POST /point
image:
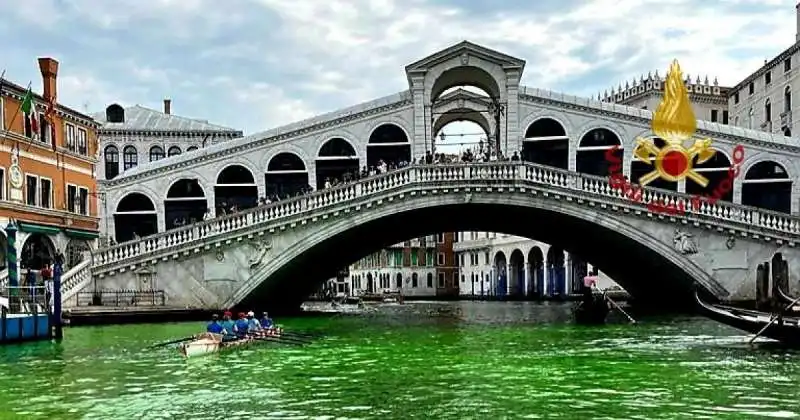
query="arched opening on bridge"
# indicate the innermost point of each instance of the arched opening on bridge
(286, 176)
(641, 168)
(767, 185)
(235, 190)
(37, 251)
(135, 217)
(77, 251)
(460, 139)
(516, 273)
(716, 171)
(556, 272)
(578, 270)
(500, 274)
(185, 203)
(470, 78)
(546, 143)
(388, 143)
(337, 161)
(591, 154)
(536, 272)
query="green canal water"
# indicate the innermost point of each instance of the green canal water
(468, 360)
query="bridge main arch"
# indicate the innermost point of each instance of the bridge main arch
(647, 266)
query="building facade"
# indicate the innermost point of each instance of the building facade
(47, 175)
(136, 135)
(506, 266)
(709, 99)
(420, 267)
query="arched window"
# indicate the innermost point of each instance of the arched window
(787, 99)
(767, 110)
(191, 148)
(156, 153)
(111, 157)
(130, 158)
(750, 114)
(174, 151)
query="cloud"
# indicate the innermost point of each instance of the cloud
(255, 64)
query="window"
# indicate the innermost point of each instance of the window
(441, 281)
(414, 280)
(414, 257)
(111, 157)
(174, 151)
(767, 77)
(461, 259)
(191, 148)
(486, 258)
(440, 259)
(430, 279)
(70, 137)
(45, 193)
(767, 110)
(714, 115)
(751, 88)
(44, 130)
(72, 197)
(27, 127)
(156, 153)
(83, 142)
(2, 114)
(750, 118)
(440, 238)
(736, 98)
(787, 64)
(725, 117)
(2, 175)
(787, 99)
(130, 158)
(31, 189)
(464, 278)
(429, 258)
(398, 258)
(399, 281)
(455, 279)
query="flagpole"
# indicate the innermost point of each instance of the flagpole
(14, 118)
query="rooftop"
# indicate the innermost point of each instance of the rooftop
(139, 118)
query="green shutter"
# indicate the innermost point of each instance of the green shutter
(414, 257)
(429, 258)
(81, 234)
(398, 258)
(37, 228)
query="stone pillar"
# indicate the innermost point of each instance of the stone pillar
(627, 159)
(527, 282)
(421, 119)
(511, 128)
(682, 186)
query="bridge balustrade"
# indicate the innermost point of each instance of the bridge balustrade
(120, 298)
(462, 175)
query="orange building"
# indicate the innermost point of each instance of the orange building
(47, 179)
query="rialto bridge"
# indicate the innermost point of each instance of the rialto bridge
(558, 193)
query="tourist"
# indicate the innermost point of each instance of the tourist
(241, 325)
(214, 326)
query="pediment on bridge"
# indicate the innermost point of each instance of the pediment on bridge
(465, 50)
(464, 95)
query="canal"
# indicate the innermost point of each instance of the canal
(461, 360)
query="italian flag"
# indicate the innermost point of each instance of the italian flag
(30, 111)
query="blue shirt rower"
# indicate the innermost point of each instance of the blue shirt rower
(253, 326)
(241, 325)
(228, 327)
(266, 322)
(214, 326)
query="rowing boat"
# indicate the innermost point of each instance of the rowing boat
(208, 343)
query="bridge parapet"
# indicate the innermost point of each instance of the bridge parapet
(561, 184)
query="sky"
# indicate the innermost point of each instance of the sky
(258, 64)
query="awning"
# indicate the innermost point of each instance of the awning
(37, 228)
(81, 234)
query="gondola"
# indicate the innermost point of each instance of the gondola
(786, 329)
(592, 314)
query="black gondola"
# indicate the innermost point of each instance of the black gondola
(785, 329)
(594, 313)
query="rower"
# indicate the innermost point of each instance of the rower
(266, 322)
(228, 327)
(253, 326)
(214, 326)
(241, 325)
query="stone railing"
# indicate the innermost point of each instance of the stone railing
(75, 279)
(459, 175)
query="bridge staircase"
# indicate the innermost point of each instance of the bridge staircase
(224, 231)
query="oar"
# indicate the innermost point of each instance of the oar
(772, 319)
(166, 343)
(630, 318)
(278, 339)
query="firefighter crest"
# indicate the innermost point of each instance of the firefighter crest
(675, 123)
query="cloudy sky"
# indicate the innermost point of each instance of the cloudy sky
(257, 64)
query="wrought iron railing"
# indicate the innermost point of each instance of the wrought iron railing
(122, 298)
(26, 300)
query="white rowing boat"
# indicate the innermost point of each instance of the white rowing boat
(208, 343)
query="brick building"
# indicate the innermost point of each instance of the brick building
(47, 177)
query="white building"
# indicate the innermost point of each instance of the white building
(137, 135)
(492, 264)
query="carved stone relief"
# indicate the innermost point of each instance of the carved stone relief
(684, 242)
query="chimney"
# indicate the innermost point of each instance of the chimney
(49, 69)
(167, 106)
(797, 14)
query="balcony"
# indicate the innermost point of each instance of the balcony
(766, 126)
(35, 214)
(786, 119)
